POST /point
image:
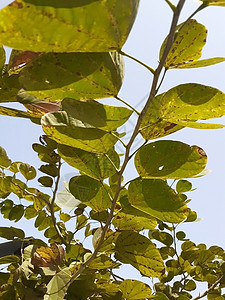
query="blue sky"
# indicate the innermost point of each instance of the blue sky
(150, 29)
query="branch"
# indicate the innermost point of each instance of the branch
(209, 289)
(152, 94)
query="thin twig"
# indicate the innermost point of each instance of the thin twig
(51, 207)
(173, 7)
(209, 289)
(124, 102)
(152, 94)
(138, 61)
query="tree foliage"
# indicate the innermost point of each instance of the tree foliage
(66, 54)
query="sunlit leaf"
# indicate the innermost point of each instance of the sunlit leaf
(47, 26)
(103, 262)
(97, 166)
(5, 162)
(65, 130)
(184, 103)
(124, 221)
(183, 186)
(91, 192)
(170, 159)
(130, 218)
(137, 250)
(156, 198)
(214, 2)
(134, 289)
(55, 76)
(58, 285)
(105, 117)
(12, 112)
(65, 200)
(27, 171)
(2, 57)
(190, 38)
(201, 63)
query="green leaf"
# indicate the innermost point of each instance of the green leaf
(201, 63)
(27, 171)
(12, 112)
(170, 159)
(55, 76)
(2, 57)
(106, 117)
(10, 233)
(197, 125)
(49, 169)
(103, 262)
(137, 250)
(180, 235)
(58, 285)
(162, 237)
(214, 2)
(5, 162)
(30, 212)
(190, 285)
(156, 198)
(65, 130)
(134, 289)
(81, 222)
(16, 213)
(10, 259)
(5, 186)
(6, 207)
(183, 186)
(64, 217)
(9, 86)
(131, 218)
(46, 181)
(190, 38)
(183, 104)
(75, 252)
(91, 192)
(63, 26)
(65, 200)
(124, 221)
(160, 296)
(97, 166)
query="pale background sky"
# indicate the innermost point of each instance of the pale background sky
(150, 29)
